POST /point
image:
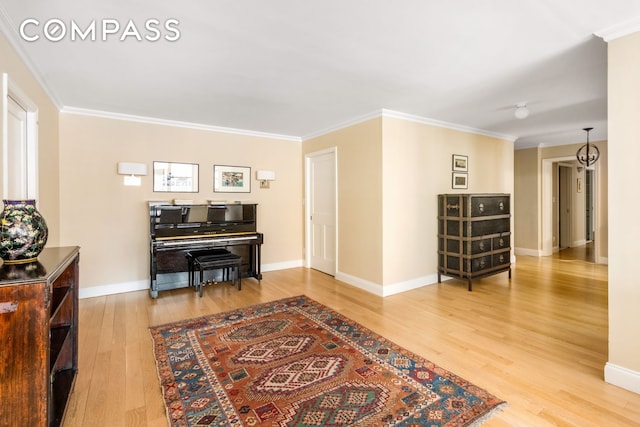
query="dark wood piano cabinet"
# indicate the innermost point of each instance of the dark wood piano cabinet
(175, 230)
(474, 235)
(39, 331)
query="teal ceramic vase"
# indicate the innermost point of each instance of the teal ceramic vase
(23, 232)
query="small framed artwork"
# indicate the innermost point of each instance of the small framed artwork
(231, 179)
(460, 163)
(459, 180)
(175, 177)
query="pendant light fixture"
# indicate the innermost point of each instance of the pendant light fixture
(588, 154)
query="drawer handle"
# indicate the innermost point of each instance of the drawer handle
(8, 307)
(481, 246)
(501, 258)
(501, 206)
(450, 206)
(481, 207)
(482, 262)
(501, 242)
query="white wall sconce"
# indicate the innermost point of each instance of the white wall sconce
(264, 177)
(132, 172)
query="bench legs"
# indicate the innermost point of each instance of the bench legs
(237, 277)
(216, 259)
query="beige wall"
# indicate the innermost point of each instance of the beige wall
(390, 172)
(48, 197)
(359, 154)
(527, 222)
(624, 233)
(109, 220)
(416, 168)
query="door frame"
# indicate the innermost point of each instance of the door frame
(565, 222)
(10, 89)
(589, 185)
(307, 203)
(546, 230)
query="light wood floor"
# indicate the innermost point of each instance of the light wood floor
(538, 341)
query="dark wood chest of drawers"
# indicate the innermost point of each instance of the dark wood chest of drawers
(474, 235)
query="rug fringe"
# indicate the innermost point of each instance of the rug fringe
(162, 390)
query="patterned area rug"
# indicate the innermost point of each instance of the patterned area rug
(296, 362)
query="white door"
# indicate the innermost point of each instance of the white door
(321, 211)
(16, 174)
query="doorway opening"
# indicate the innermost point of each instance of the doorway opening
(569, 210)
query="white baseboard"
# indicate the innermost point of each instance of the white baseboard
(117, 288)
(622, 377)
(140, 285)
(384, 291)
(527, 252)
(281, 265)
(408, 285)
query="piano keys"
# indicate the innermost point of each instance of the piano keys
(176, 230)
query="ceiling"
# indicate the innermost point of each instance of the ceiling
(298, 68)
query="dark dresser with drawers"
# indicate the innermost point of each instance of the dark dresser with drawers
(474, 235)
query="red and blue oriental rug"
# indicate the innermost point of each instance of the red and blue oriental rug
(296, 362)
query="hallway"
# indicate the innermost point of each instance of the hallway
(580, 253)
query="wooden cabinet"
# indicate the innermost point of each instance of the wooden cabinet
(474, 235)
(39, 333)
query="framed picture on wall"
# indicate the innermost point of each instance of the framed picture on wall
(231, 179)
(175, 177)
(460, 163)
(459, 180)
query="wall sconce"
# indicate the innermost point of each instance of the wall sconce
(133, 171)
(264, 177)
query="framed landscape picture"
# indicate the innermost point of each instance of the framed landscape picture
(231, 179)
(459, 180)
(175, 177)
(460, 163)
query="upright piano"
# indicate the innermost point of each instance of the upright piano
(178, 229)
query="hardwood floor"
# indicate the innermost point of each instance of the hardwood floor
(538, 341)
(584, 252)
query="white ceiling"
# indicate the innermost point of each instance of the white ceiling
(297, 68)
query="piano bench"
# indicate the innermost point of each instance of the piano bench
(224, 262)
(192, 255)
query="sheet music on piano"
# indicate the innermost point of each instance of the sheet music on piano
(175, 230)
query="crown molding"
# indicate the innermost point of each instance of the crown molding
(174, 123)
(411, 118)
(619, 30)
(8, 28)
(529, 144)
(343, 125)
(446, 125)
